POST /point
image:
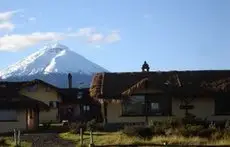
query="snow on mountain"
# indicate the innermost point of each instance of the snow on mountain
(52, 63)
(53, 58)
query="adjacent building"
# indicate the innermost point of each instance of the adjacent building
(77, 105)
(140, 97)
(18, 111)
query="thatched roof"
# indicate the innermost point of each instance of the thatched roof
(115, 85)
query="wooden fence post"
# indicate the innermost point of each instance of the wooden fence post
(91, 139)
(15, 137)
(19, 138)
(81, 137)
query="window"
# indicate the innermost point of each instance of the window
(86, 107)
(155, 106)
(8, 115)
(79, 95)
(134, 106)
(222, 106)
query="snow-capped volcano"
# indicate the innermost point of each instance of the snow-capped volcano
(51, 59)
(54, 58)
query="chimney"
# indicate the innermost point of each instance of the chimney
(70, 80)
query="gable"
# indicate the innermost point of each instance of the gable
(40, 91)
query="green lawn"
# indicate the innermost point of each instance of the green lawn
(10, 142)
(103, 138)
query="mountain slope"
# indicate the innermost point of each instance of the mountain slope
(50, 62)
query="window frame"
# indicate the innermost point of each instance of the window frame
(147, 111)
(9, 119)
(126, 103)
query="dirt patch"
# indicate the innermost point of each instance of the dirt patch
(47, 140)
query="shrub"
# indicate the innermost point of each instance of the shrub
(2, 142)
(208, 132)
(227, 125)
(164, 127)
(94, 126)
(158, 129)
(199, 130)
(217, 135)
(75, 128)
(99, 127)
(191, 130)
(175, 123)
(47, 125)
(91, 125)
(138, 131)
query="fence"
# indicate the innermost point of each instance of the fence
(17, 137)
(142, 144)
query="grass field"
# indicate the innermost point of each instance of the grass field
(10, 142)
(103, 138)
(116, 138)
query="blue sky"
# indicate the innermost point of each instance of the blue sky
(119, 35)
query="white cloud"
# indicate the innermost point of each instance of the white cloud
(6, 16)
(6, 26)
(87, 32)
(92, 36)
(97, 37)
(113, 37)
(18, 42)
(5, 20)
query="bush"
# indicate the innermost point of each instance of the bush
(208, 132)
(75, 128)
(2, 142)
(227, 125)
(138, 131)
(217, 135)
(199, 130)
(46, 125)
(164, 127)
(94, 126)
(99, 127)
(191, 130)
(158, 129)
(91, 125)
